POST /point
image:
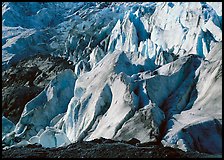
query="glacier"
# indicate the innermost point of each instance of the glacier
(146, 70)
(7, 126)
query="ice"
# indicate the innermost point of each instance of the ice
(216, 6)
(34, 140)
(199, 125)
(144, 125)
(142, 70)
(196, 136)
(96, 55)
(178, 26)
(7, 126)
(215, 30)
(53, 100)
(91, 101)
(120, 106)
(53, 138)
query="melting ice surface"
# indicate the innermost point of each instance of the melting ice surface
(138, 66)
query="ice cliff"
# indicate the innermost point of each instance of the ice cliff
(151, 71)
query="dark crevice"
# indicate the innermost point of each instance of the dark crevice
(126, 118)
(190, 97)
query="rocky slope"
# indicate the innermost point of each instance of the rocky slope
(150, 71)
(26, 79)
(102, 148)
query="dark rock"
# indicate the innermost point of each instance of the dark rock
(103, 140)
(133, 141)
(147, 144)
(34, 146)
(109, 141)
(101, 150)
(99, 140)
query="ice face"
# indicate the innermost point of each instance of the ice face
(7, 126)
(79, 28)
(53, 100)
(199, 124)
